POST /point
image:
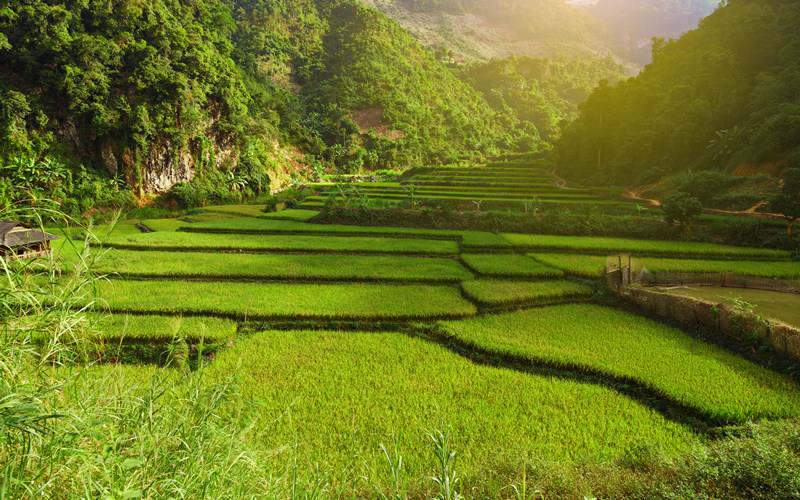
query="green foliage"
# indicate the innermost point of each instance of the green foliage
(681, 208)
(50, 183)
(536, 95)
(788, 201)
(719, 97)
(141, 87)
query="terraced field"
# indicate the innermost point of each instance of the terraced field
(343, 339)
(500, 187)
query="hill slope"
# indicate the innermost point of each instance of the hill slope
(162, 92)
(724, 96)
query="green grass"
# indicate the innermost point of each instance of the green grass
(162, 328)
(288, 242)
(291, 214)
(277, 266)
(593, 244)
(509, 265)
(470, 238)
(593, 266)
(585, 266)
(785, 269)
(328, 400)
(610, 341)
(284, 300)
(500, 292)
(775, 305)
(480, 239)
(489, 200)
(477, 193)
(240, 210)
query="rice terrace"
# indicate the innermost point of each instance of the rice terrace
(339, 249)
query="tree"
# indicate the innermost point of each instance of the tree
(681, 208)
(788, 201)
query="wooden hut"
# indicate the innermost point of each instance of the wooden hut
(20, 241)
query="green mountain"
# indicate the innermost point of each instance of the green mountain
(540, 95)
(725, 96)
(160, 92)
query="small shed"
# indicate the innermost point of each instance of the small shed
(20, 241)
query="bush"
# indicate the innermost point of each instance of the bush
(49, 183)
(681, 208)
(705, 185)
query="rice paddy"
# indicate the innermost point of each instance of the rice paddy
(509, 265)
(329, 400)
(244, 301)
(604, 340)
(340, 339)
(124, 327)
(495, 292)
(282, 266)
(600, 245)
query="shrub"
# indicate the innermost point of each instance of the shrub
(681, 208)
(706, 184)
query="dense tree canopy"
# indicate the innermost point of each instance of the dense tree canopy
(157, 90)
(726, 95)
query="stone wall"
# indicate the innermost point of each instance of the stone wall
(721, 319)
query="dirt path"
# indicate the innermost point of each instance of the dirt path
(561, 183)
(636, 195)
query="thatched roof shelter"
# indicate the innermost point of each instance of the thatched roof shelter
(19, 240)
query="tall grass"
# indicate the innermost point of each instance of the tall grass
(68, 429)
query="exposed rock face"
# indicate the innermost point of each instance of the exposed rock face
(164, 166)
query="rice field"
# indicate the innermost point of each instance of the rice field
(125, 327)
(330, 400)
(593, 266)
(337, 340)
(496, 292)
(492, 187)
(242, 301)
(509, 266)
(605, 340)
(182, 241)
(605, 246)
(282, 266)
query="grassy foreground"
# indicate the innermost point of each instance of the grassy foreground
(693, 372)
(315, 406)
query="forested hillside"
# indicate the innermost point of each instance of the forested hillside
(239, 93)
(725, 96)
(540, 94)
